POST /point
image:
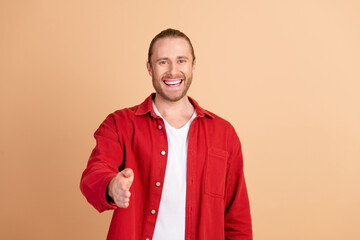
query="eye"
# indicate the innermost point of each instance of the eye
(182, 61)
(162, 62)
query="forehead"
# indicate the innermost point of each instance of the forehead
(171, 47)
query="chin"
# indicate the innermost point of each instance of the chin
(172, 98)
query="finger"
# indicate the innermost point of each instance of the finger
(122, 196)
(128, 173)
(126, 194)
(123, 187)
(123, 199)
(123, 204)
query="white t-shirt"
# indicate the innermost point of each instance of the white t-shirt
(170, 223)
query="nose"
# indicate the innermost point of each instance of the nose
(173, 69)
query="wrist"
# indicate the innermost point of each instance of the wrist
(109, 199)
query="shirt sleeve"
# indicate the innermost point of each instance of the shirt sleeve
(103, 165)
(237, 213)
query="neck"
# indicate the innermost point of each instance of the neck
(176, 113)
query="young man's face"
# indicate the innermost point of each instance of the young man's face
(171, 68)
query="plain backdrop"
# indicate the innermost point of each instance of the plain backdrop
(285, 73)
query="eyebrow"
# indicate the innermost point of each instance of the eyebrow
(165, 58)
(160, 59)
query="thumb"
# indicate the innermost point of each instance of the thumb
(128, 173)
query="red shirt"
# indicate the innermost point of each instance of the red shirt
(217, 205)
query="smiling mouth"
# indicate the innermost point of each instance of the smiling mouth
(173, 83)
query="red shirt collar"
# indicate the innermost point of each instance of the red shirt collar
(147, 107)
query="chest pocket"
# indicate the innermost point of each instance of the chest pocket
(216, 172)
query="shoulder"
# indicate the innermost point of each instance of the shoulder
(218, 122)
(124, 112)
(123, 115)
(141, 109)
(121, 122)
(126, 117)
(214, 122)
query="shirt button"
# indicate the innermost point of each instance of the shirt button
(152, 211)
(147, 239)
(158, 184)
(159, 127)
(163, 152)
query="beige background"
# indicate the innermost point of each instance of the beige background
(284, 73)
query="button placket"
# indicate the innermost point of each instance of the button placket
(163, 152)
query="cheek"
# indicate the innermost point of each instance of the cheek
(159, 72)
(187, 69)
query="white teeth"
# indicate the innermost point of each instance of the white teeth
(172, 82)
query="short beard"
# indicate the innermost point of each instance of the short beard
(174, 99)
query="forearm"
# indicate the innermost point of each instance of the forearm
(237, 216)
(103, 165)
(237, 213)
(93, 185)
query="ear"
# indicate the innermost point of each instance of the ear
(194, 65)
(148, 66)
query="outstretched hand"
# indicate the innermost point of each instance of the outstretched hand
(119, 187)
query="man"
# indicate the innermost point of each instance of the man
(170, 169)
